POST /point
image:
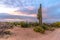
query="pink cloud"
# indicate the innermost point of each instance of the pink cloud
(30, 8)
(23, 14)
(29, 15)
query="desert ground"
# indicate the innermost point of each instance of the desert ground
(29, 34)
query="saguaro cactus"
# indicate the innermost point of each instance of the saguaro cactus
(39, 15)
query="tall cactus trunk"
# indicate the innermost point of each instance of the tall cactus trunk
(39, 15)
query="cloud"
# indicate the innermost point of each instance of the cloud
(30, 8)
(5, 9)
(13, 13)
(53, 11)
(22, 14)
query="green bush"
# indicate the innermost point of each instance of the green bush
(56, 24)
(34, 24)
(48, 28)
(24, 24)
(39, 29)
(15, 23)
(2, 33)
(45, 27)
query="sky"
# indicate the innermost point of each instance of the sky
(26, 10)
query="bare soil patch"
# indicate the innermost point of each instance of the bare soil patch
(29, 34)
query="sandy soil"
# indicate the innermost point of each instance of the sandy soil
(29, 34)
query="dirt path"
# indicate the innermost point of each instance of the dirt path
(29, 34)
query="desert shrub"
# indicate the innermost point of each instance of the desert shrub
(10, 25)
(34, 24)
(56, 24)
(45, 27)
(39, 29)
(3, 33)
(24, 24)
(7, 32)
(6, 26)
(15, 23)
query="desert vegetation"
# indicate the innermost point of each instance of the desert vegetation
(5, 26)
(37, 26)
(41, 27)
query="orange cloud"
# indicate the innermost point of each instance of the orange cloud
(22, 14)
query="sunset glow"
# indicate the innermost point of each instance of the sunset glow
(29, 8)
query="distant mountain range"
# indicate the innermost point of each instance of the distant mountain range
(8, 16)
